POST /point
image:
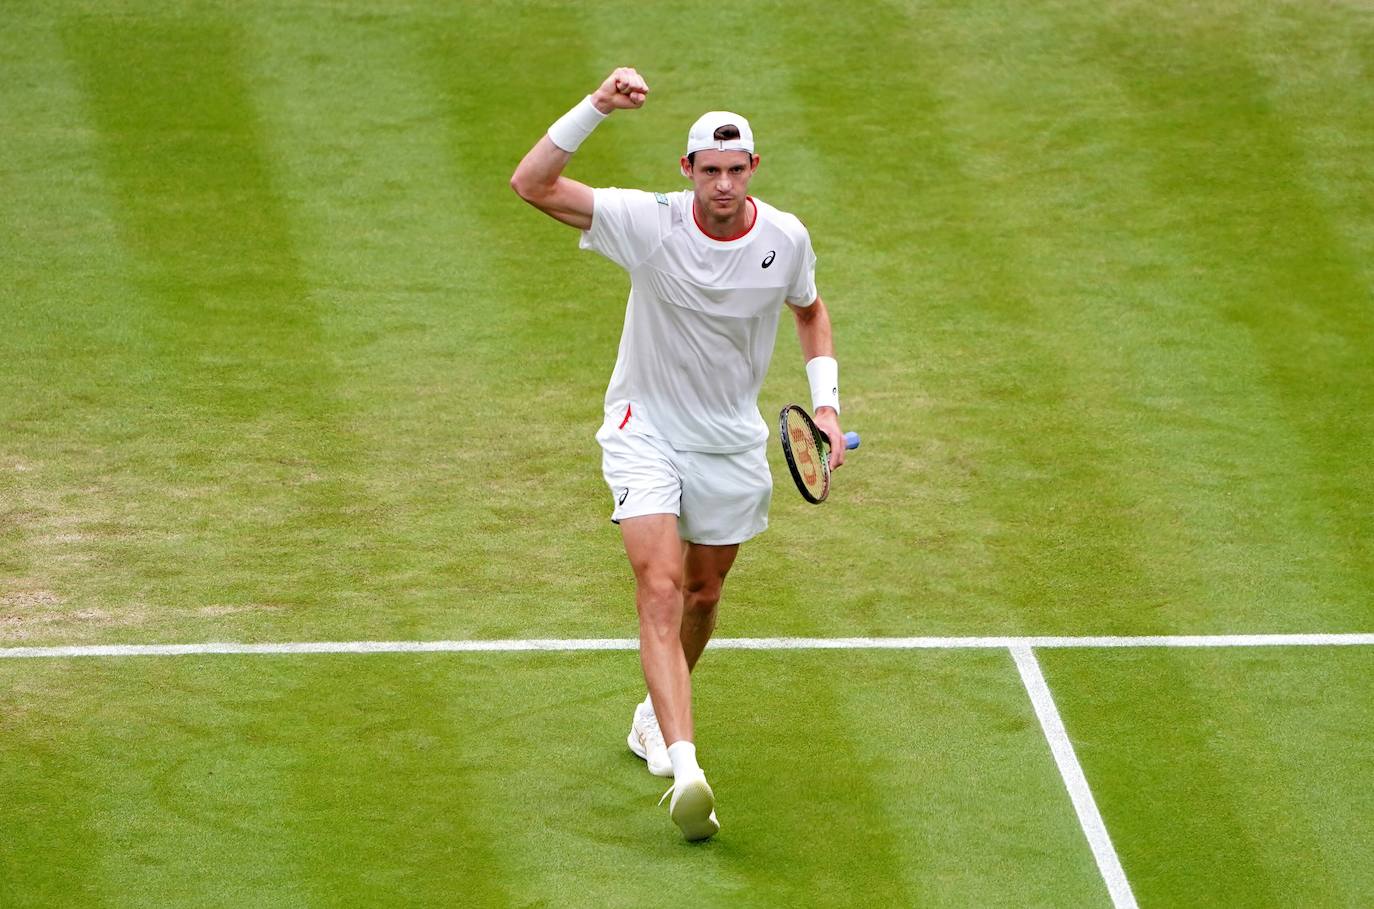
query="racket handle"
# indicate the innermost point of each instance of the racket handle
(851, 440)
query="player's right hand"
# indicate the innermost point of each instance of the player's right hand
(828, 422)
(623, 89)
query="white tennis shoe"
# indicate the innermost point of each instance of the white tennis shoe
(646, 741)
(693, 807)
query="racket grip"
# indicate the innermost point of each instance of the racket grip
(851, 440)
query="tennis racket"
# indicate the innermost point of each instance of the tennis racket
(807, 450)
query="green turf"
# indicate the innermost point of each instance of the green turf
(405, 780)
(282, 358)
(1236, 778)
(286, 357)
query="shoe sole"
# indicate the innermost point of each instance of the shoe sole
(637, 749)
(694, 811)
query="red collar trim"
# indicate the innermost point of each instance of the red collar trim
(739, 236)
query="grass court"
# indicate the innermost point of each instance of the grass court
(283, 359)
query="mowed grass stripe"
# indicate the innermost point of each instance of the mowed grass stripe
(226, 449)
(236, 362)
(1210, 800)
(1163, 384)
(202, 222)
(1260, 246)
(36, 750)
(1063, 179)
(395, 260)
(872, 228)
(1079, 209)
(32, 91)
(1072, 176)
(351, 134)
(877, 854)
(1021, 403)
(238, 786)
(1335, 45)
(63, 351)
(439, 330)
(960, 771)
(1249, 788)
(1211, 151)
(550, 313)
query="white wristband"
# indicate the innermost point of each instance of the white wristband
(824, 375)
(570, 130)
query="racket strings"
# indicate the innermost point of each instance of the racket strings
(808, 452)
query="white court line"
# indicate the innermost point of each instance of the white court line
(575, 644)
(1079, 793)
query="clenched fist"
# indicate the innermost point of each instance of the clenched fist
(623, 89)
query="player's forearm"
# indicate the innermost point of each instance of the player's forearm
(539, 180)
(537, 174)
(813, 331)
(822, 372)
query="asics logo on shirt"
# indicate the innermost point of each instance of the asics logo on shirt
(768, 259)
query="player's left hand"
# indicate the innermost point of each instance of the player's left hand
(828, 421)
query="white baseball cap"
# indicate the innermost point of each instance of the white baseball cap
(701, 137)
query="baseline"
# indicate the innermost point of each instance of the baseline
(516, 645)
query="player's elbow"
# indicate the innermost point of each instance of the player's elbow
(532, 191)
(520, 180)
(807, 315)
(520, 185)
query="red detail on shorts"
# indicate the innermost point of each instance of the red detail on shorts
(739, 236)
(627, 417)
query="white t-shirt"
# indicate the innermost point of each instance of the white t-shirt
(702, 315)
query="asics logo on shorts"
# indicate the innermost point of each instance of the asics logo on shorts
(623, 496)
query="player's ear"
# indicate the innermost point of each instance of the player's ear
(686, 167)
(754, 165)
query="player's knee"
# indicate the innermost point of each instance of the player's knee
(701, 598)
(660, 599)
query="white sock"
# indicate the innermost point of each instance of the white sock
(649, 701)
(683, 754)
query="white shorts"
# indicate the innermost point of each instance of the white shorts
(719, 499)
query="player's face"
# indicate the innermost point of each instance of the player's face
(721, 180)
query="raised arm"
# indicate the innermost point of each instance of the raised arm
(822, 371)
(539, 180)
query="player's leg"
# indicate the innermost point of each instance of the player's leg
(704, 574)
(704, 571)
(655, 553)
(725, 500)
(645, 487)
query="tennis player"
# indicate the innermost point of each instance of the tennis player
(683, 443)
